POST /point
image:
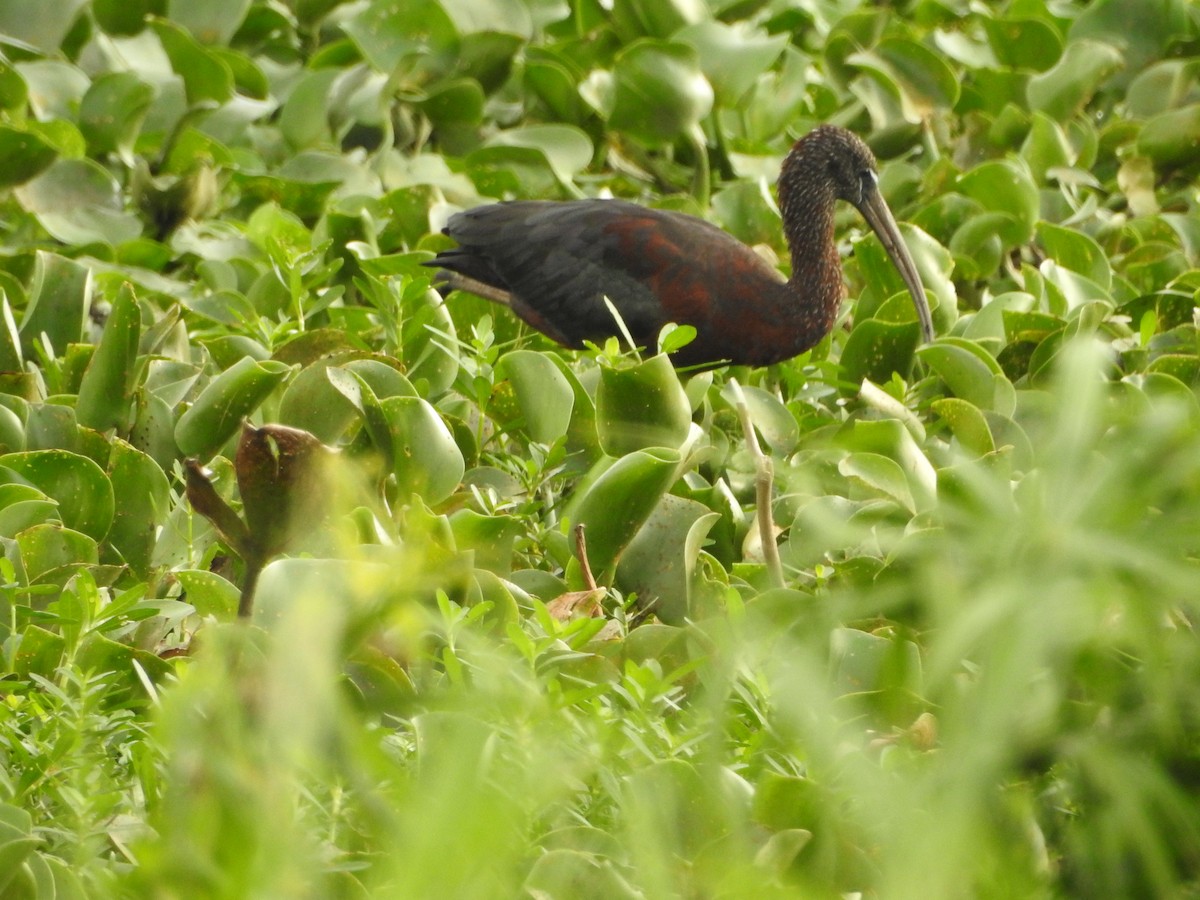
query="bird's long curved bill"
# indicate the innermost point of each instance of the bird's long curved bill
(875, 210)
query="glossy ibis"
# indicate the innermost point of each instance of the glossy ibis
(553, 262)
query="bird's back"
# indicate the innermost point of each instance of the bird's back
(559, 260)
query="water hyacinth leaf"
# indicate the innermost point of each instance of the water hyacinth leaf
(968, 370)
(641, 406)
(80, 488)
(425, 459)
(1171, 139)
(875, 350)
(913, 73)
(79, 202)
(51, 553)
(428, 342)
(968, 424)
(217, 413)
(212, 22)
(1065, 89)
(206, 77)
(1023, 43)
(209, 593)
(732, 57)
(659, 93)
(491, 538)
(112, 113)
(58, 302)
(566, 149)
(1004, 186)
(660, 561)
(23, 155)
(1144, 30)
(880, 476)
(324, 398)
(47, 29)
(773, 420)
(636, 17)
(39, 652)
(418, 33)
(106, 390)
(891, 438)
(543, 393)
(614, 505)
(145, 498)
(1076, 251)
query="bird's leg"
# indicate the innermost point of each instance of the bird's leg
(466, 283)
(764, 488)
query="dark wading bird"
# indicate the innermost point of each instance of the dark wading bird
(553, 263)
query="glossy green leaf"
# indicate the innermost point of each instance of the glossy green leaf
(1005, 187)
(1023, 43)
(773, 420)
(970, 372)
(968, 424)
(58, 302)
(418, 33)
(209, 593)
(79, 202)
(80, 488)
(426, 460)
(216, 415)
(1065, 89)
(324, 398)
(614, 505)
(732, 57)
(209, 21)
(112, 113)
(23, 155)
(542, 391)
(641, 406)
(660, 561)
(207, 78)
(876, 349)
(1076, 251)
(145, 497)
(659, 93)
(1170, 139)
(51, 552)
(106, 391)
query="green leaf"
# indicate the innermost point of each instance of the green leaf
(80, 488)
(614, 502)
(968, 424)
(642, 406)
(1064, 90)
(1005, 187)
(216, 415)
(209, 593)
(209, 21)
(112, 112)
(426, 460)
(543, 393)
(1023, 43)
(732, 57)
(1076, 251)
(660, 561)
(879, 475)
(50, 552)
(79, 202)
(23, 155)
(1170, 139)
(207, 78)
(58, 302)
(106, 391)
(145, 499)
(659, 93)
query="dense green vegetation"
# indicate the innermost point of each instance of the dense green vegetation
(980, 675)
